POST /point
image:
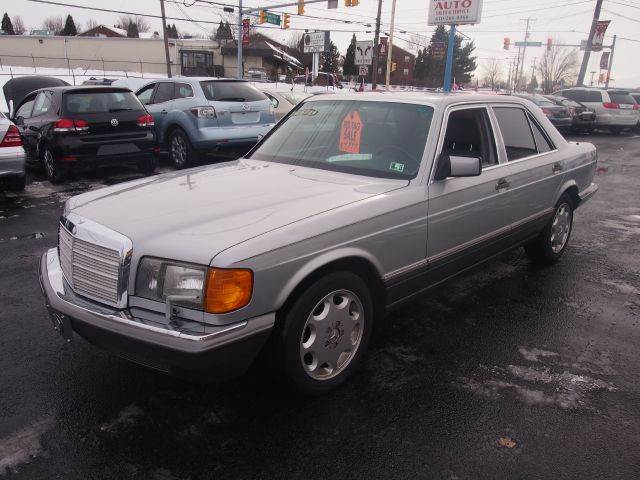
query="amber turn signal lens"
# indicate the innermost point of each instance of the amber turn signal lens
(227, 289)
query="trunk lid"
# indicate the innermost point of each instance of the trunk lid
(16, 89)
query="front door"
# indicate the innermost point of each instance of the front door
(468, 216)
(32, 128)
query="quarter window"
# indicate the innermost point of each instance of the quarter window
(516, 133)
(25, 109)
(542, 142)
(183, 90)
(42, 104)
(274, 101)
(164, 92)
(145, 94)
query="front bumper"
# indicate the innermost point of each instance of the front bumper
(217, 353)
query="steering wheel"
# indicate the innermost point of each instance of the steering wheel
(413, 162)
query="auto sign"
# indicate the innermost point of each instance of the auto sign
(454, 12)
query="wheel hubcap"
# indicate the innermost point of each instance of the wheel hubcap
(178, 150)
(560, 228)
(48, 163)
(331, 335)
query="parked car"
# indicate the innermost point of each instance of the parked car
(65, 127)
(582, 119)
(99, 81)
(352, 205)
(283, 102)
(12, 157)
(558, 115)
(324, 79)
(636, 98)
(197, 115)
(613, 108)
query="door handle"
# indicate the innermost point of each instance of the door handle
(502, 184)
(557, 167)
(163, 112)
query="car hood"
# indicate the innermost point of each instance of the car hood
(195, 214)
(18, 88)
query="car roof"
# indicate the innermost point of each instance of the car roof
(428, 98)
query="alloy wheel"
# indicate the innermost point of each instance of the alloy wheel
(560, 228)
(49, 163)
(178, 150)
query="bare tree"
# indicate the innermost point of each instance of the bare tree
(557, 65)
(91, 24)
(18, 25)
(492, 73)
(55, 24)
(141, 23)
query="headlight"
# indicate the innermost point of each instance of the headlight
(213, 290)
(158, 279)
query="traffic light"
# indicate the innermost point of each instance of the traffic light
(262, 17)
(507, 43)
(286, 21)
(549, 43)
(300, 7)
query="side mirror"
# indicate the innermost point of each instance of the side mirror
(457, 166)
(19, 121)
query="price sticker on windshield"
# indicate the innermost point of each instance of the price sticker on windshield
(351, 133)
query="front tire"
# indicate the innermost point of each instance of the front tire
(55, 171)
(553, 240)
(325, 333)
(181, 152)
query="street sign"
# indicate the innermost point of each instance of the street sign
(364, 52)
(454, 12)
(316, 42)
(363, 70)
(438, 49)
(273, 18)
(528, 44)
(246, 28)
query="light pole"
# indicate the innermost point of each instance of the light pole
(393, 24)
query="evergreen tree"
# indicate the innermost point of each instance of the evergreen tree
(418, 69)
(132, 30)
(69, 29)
(219, 31)
(7, 26)
(229, 31)
(330, 61)
(464, 64)
(349, 66)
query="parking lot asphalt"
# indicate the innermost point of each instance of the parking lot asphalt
(511, 372)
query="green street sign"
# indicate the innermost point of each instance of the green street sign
(528, 44)
(273, 18)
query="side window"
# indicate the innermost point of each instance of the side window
(42, 104)
(274, 101)
(542, 141)
(25, 109)
(469, 134)
(164, 92)
(183, 90)
(145, 94)
(566, 94)
(516, 133)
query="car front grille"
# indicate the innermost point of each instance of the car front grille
(92, 270)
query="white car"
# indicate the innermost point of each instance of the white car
(615, 109)
(12, 158)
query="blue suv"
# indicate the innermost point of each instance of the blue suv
(196, 115)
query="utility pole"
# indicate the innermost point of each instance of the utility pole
(516, 70)
(613, 49)
(239, 40)
(524, 49)
(393, 25)
(376, 49)
(166, 40)
(587, 51)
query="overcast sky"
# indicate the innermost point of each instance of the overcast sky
(567, 21)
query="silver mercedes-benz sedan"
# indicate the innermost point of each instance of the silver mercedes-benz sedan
(12, 156)
(352, 205)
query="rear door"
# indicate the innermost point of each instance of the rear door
(161, 104)
(536, 169)
(238, 103)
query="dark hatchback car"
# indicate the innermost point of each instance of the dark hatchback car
(557, 114)
(582, 118)
(65, 127)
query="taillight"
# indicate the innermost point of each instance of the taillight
(204, 112)
(636, 107)
(11, 138)
(145, 121)
(69, 125)
(611, 105)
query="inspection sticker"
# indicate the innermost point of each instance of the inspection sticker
(397, 167)
(351, 133)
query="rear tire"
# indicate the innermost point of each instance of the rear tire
(325, 334)
(181, 152)
(553, 240)
(55, 171)
(147, 166)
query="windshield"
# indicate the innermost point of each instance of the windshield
(379, 139)
(100, 102)
(543, 102)
(230, 91)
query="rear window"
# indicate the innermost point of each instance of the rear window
(593, 96)
(378, 139)
(224, 91)
(621, 97)
(100, 102)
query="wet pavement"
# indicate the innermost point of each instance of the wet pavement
(512, 372)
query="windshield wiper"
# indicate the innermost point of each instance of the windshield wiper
(232, 99)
